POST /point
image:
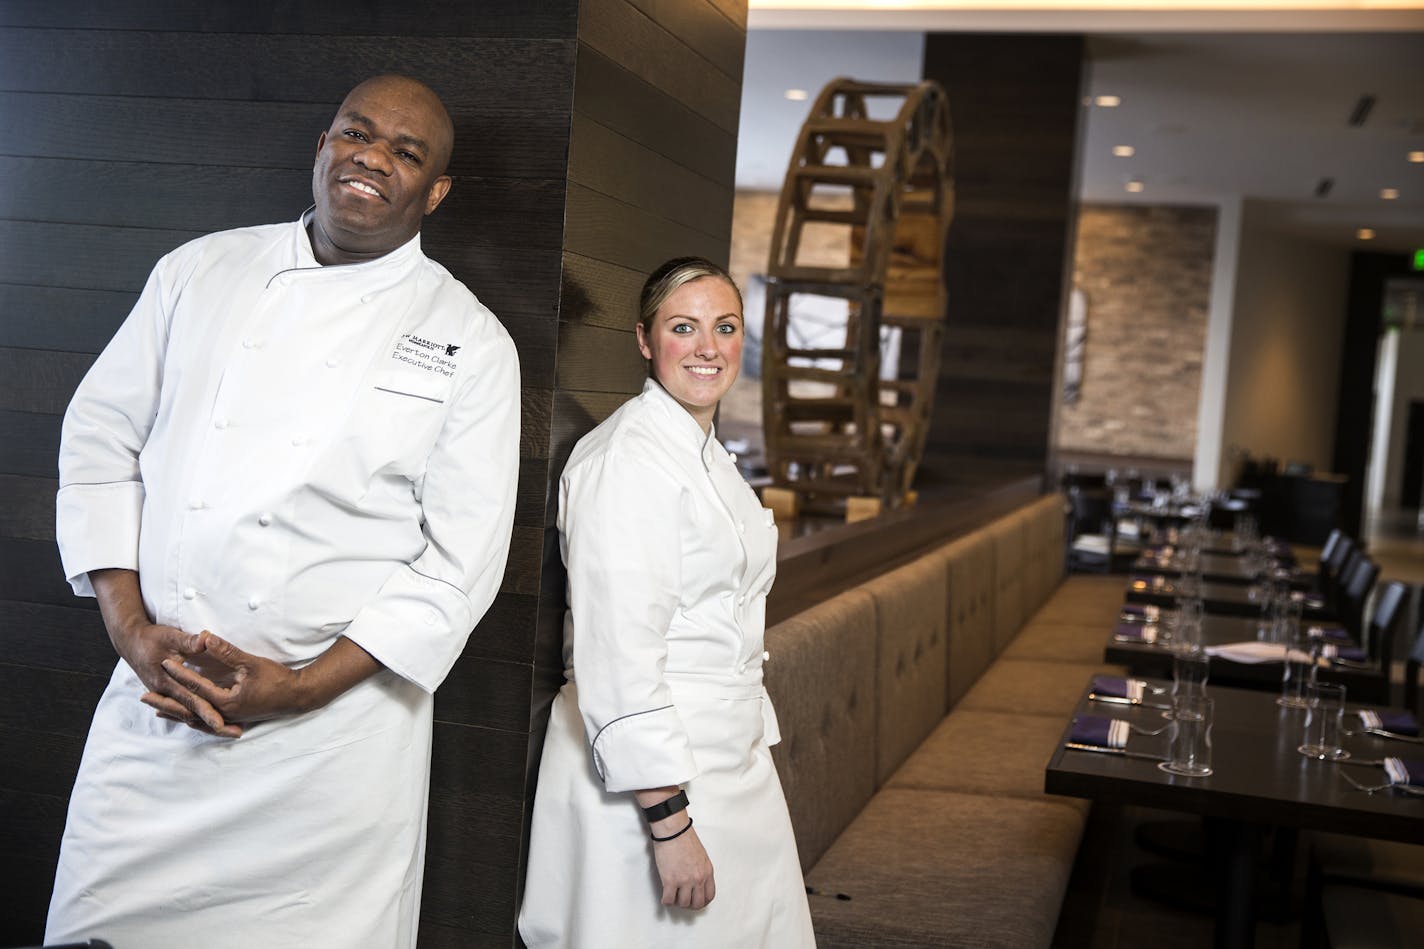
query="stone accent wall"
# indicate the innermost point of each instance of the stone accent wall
(1146, 273)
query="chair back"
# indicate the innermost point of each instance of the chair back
(1339, 560)
(1411, 672)
(1388, 614)
(1328, 550)
(1092, 513)
(1356, 590)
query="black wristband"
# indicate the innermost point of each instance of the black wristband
(659, 840)
(664, 809)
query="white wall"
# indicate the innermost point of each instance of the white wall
(1216, 357)
(1286, 332)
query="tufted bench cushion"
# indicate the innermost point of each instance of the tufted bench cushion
(969, 563)
(1032, 687)
(1084, 600)
(994, 753)
(910, 667)
(821, 678)
(937, 868)
(1059, 642)
(1007, 535)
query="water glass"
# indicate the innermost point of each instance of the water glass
(1189, 752)
(1189, 675)
(1187, 637)
(1297, 670)
(1324, 722)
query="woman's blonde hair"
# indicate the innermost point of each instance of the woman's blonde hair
(664, 282)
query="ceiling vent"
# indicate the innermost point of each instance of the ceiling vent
(1361, 111)
(1324, 186)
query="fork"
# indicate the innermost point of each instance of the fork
(1370, 789)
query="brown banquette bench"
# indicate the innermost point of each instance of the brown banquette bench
(917, 713)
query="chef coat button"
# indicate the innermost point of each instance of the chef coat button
(430, 617)
(197, 504)
(741, 667)
(264, 519)
(741, 527)
(332, 362)
(368, 298)
(189, 593)
(741, 599)
(248, 343)
(253, 603)
(765, 656)
(732, 456)
(299, 440)
(220, 423)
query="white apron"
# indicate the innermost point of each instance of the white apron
(670, 558)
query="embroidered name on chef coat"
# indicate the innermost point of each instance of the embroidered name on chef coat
(426, 354)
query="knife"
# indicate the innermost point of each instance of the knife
(1120, 752)
(1118, 700)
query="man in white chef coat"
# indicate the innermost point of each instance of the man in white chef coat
(289, 480)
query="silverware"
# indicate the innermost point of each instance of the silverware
(1367, 762)
(1381, 733)
(1119, 700)
(1120, 752)
(1372, 788)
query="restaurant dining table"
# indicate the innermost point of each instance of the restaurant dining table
(1259, 780)
(1144, 655)
(1214, 568)
(1225, 599)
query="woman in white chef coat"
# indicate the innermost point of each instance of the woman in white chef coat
(659, 819)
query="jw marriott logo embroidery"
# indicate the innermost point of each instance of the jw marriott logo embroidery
(426, 354)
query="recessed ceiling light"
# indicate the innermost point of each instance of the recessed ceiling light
(797, 95)
(1135, 186)
(1389, 194)
(1108, 102)
(1365, 234)
(1417, 157)
(1124, 151)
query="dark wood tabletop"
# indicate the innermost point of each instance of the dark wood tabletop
(1215, 568)
(1225, 599)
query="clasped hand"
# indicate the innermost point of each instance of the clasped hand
(207, 683)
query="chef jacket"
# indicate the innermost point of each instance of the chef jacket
(670, 558)
(288, 452)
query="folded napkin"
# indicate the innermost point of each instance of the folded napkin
(1145, 633)
(1100, 731)
(1140, 613)
(1118, 687)
(1401, 723)
(1405, 771)
(1253, 653)
(1348, 653)
(1331, 633)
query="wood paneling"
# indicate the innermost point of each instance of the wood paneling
(1014, 110)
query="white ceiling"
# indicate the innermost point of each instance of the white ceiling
(1213, 116)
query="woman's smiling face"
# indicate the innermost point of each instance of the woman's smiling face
(695, 344)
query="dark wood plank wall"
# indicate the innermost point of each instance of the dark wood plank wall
(594, 139)
(138, 125)
(1014, 111)
(652, 161)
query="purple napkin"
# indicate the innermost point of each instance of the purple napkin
(1405, 771)
(1134, 609)
(1331, 634)
(1100, 731)
(1135, 632)
(1348, 653)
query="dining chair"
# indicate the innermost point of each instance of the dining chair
(1354, 593)
(1378, 642)
(1412, 665)
(1339, 558)
(1327, 553)
(1092, 531)
(1335, 593)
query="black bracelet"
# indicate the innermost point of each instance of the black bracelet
(665, 809)
(659, 840)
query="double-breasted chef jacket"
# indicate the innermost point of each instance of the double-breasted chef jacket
(286, 453)
(670, 558)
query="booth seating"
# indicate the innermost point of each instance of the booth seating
(917, 712)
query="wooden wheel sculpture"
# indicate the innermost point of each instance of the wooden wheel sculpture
(834, 427)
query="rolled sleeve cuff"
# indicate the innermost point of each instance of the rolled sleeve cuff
(644, 750)
(97, 526)
(416, 627)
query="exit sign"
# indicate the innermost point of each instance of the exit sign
(1419, 259)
